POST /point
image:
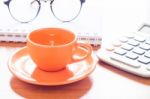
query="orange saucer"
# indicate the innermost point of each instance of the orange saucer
(21, 66)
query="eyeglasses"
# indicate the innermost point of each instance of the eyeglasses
(25, 11)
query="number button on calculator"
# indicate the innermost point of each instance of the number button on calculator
(132, 54)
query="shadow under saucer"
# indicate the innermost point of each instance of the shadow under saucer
(70, 91)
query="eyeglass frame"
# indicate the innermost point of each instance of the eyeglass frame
(7, 3)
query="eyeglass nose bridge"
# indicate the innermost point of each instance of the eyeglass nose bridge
(82, 1)
(46, 0)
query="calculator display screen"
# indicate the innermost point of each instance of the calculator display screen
(145, 28)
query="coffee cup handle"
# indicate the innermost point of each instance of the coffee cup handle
(81, 52)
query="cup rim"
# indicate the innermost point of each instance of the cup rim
(41, 29)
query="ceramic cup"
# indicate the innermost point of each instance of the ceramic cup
(51, 49)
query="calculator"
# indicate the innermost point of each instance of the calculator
(129, 52)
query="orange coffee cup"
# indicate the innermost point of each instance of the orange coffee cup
(51, 49)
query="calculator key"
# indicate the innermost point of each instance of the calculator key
(110, 47)
(130, 36)
(133, 42)
(144, 60)
(147, 55)
(127, 47)
(123, 39)
(138, 51)
(117, 43)
(145, 46)
(120, 51)
(132, 55)
(147, 41)
(148, 68)
(125, 60)
(139, 38)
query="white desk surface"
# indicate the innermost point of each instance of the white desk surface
(105, 82)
